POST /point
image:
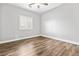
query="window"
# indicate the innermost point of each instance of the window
(25, 22)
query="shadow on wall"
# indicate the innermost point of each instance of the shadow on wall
(52, 26)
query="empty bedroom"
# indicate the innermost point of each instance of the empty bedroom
(39, 29)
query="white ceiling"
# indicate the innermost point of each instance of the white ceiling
(38, 10)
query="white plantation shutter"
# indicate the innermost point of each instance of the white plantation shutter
(25, 22)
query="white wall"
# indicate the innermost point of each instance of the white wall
(62, 22)
(10, 25)
(0, 19)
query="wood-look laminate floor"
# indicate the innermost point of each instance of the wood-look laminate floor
(39, 46)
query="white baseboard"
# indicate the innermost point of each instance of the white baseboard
(69, 41)
(18, 39)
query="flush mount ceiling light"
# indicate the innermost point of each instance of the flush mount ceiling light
(38, 5)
